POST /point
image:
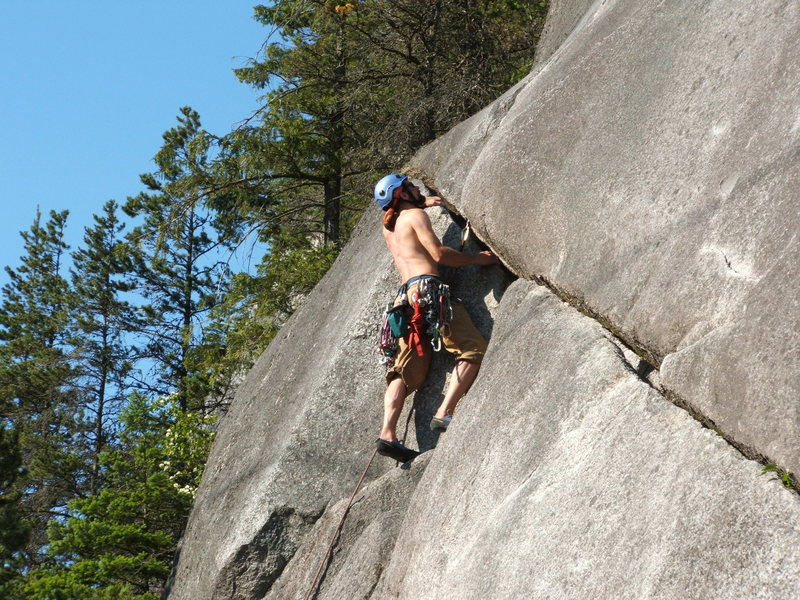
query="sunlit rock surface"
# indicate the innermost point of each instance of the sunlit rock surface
(642, 181)
(648, 171)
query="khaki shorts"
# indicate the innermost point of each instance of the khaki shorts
(459, 337)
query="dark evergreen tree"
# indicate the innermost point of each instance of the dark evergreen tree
(36, 381)
(307, 148)
(356, 87)
(175, 256)
(14, 529)
(102, 357)
(118, 543)
(429, 64)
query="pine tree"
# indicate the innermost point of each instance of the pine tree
(357, 87)
(14, 530)
(307, 147)
(429, 64)
(118, 543)
(175, 256)
(36, 381)
(102, 357)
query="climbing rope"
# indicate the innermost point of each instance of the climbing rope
(315, 584)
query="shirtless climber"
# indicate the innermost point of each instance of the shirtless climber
(429, 316)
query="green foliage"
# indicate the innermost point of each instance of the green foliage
(173, 255)
(355, 88)
(14, 530)
(310, 146)
(786, 478)
(35, 379)
(187, 442)
(35, 302)
(120, 541)
(101, 356)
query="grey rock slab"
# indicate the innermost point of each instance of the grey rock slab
(291, 439)
(362, 550)
(563, 18)
(648, 172)
(566, 476)
(304, 422)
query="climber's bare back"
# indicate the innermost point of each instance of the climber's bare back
(411, 257)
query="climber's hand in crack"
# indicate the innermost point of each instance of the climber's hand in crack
(486, 258)
(433, 201)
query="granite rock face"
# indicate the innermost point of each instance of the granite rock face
(648, 170)
(642, 182)
(565, 475)
(304, 422)
(364, 546)
(563, 18)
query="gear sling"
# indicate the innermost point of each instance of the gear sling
(429, 311)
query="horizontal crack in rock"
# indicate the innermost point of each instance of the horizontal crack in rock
(651, 361)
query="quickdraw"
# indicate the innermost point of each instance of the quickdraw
(434, 300)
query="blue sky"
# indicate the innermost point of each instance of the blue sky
(87, 88)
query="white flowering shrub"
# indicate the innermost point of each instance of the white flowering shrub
(187, 442)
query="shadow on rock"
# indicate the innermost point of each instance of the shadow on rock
(480, 289)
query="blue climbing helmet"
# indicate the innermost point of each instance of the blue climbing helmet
(384, 189)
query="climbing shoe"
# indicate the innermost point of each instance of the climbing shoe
(395, 450)
(440, 425)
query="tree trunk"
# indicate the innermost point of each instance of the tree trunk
(333, 185)
(333, 207)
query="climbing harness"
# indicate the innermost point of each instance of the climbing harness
(428, 314)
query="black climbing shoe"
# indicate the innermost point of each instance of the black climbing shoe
(395, 450)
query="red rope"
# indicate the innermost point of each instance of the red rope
(316, 582)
